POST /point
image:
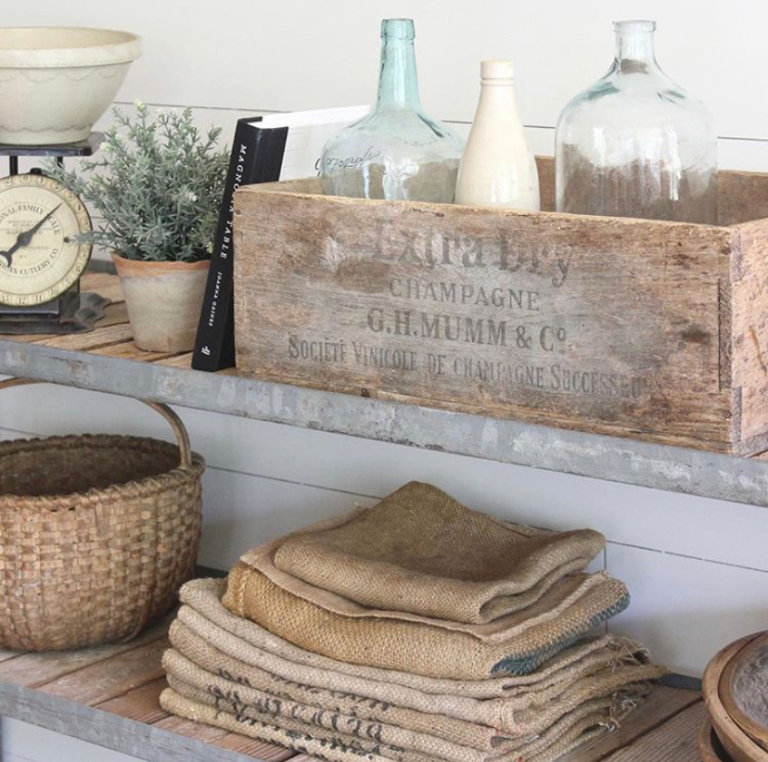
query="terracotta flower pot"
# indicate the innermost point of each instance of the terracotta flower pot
(164, 300)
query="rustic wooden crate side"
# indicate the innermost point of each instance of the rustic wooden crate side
(749, 315)
(742, 196)
(312, 186)
(546, 167)
(600, 324)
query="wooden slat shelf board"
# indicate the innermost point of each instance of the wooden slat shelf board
(108, 361)
(109, 696)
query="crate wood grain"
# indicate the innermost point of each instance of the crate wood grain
(644, 329)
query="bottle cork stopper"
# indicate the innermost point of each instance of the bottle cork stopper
(497, 70)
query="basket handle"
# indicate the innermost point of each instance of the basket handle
(176, 424)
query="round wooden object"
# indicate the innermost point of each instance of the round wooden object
(744, 689)
(710, 748)
(740, 747)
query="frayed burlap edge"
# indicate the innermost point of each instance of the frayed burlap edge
(575, 730)
(333, 749)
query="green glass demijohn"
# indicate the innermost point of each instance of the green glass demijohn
(397, 152)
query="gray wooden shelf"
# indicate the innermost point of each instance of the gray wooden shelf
(109, 696)
(108, 361)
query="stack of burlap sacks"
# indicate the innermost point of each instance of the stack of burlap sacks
(416, 630)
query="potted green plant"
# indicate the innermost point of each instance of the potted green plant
(157, 187)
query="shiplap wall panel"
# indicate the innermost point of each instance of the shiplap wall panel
(265, 479)
(249, 510)
(684, 608)
(669, 591)
(356, 469)
(242, 511)
(304, 54)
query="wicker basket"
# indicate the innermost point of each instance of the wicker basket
(97, 533)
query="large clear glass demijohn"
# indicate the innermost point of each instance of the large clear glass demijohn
(635, 144)
(397, 151)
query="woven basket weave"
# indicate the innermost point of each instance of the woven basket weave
(97, 534)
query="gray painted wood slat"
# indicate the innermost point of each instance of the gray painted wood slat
(33, 670)
(174, 740)
(148, 742)
(674, 741)
(116, 684)
(189, 729)
(112, 677)
(141, 704)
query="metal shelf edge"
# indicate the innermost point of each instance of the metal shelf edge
(663, 467)
(107, 730)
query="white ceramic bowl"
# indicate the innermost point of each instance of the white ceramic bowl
(55, 82)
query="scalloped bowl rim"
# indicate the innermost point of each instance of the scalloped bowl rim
(108, 47)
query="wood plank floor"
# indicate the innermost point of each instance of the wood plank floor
(125, 681)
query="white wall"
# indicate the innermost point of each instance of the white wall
(231, 56)
(697, 568)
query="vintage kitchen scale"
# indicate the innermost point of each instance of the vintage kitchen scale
(41, 258)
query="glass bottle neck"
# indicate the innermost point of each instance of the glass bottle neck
(398, 81)
(634, 45)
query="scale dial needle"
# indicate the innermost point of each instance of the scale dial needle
(25, 238)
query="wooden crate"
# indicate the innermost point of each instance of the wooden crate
(643, 329)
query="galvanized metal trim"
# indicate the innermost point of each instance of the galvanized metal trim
(615, 459)
(110, 731)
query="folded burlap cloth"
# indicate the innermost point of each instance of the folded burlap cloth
(204, 597)
(422, 552)
(414, 647)
(207, 634)
(221, 677)
(588, 721)
(546, 600)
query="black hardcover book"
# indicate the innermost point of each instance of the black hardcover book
(257, 156)
(264, 150)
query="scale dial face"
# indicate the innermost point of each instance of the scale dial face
(40, 256)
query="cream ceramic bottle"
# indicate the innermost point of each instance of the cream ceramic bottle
(498, 168)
